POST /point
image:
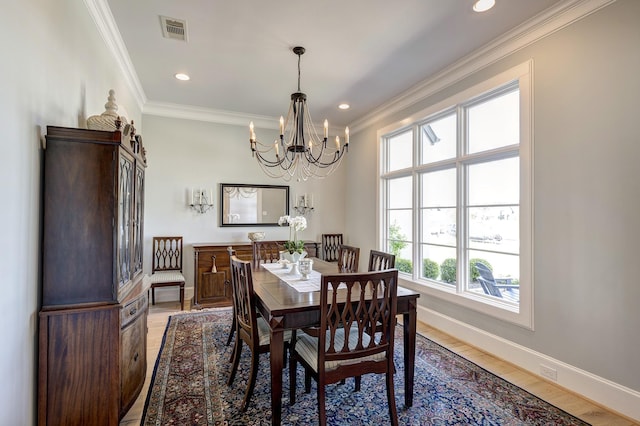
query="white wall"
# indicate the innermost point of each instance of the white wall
(586, 195)
(56, 71)
(184, 154)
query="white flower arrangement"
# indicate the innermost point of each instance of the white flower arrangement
(295, 224)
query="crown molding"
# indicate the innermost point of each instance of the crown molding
(551, 20)
(546, 23)
(167, 109)
(103, 18)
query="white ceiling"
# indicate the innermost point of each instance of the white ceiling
(363, 52)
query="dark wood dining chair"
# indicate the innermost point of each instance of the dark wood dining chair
(266, 252)
(379, 260)
(330, 246)
(250, 328)
(342, 349)
(263, 252)
(166, 266)
(348, 258)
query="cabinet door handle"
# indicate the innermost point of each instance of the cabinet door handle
(133, 311)
(135, 357)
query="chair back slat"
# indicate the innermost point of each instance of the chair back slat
(348, 258)
(330, 246)
(379, 260)
(355, 304)
(167, 254)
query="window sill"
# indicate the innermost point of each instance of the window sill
(504, 311)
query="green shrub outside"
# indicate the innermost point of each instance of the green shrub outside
(449, 269)
(404, 265)
(430, 269)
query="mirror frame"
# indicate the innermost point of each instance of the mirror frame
(285, 188)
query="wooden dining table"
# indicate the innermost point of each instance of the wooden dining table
(286, 308)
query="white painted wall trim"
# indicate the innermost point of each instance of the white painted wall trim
(542, 25)
(557, 17)
(615, 397)
(106, 25)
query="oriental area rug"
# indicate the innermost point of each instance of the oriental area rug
(189, 387)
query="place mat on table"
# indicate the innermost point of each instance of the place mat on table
(295, 280)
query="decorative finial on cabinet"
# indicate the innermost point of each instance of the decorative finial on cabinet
(109, 118)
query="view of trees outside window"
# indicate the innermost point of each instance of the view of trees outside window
(468, 203)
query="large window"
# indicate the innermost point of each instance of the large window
(455, 197)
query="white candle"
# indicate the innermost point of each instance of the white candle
(281, 125)
(346, 135)
(277, 150)
(338, 143)
(192, 196)
(326, 128)
(251, 134)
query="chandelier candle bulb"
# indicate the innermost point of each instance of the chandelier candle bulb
(346, 135)
(326, 129)
(338, 143)
(281, 126)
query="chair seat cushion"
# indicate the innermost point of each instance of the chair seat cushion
(264, 332)
(307, 347)
(166, 277)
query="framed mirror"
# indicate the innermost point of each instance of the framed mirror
(250, 205)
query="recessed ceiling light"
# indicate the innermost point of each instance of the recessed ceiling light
(344, 106)
(483, 5)
(183, 77)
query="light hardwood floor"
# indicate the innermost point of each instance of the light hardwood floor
(568, 401)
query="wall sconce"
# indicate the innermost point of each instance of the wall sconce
(304, 204)
(201, 200)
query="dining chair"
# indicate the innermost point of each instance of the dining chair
(251, 329)
(166, 266)
(379, 260)
(262, 251)
(342, 348)
(266, 252)
(348, 258)
(330, 246)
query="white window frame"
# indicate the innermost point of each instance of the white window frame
(522, 314)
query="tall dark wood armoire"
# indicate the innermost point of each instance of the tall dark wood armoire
(93, 318)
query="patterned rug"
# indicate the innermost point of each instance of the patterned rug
(189, 387)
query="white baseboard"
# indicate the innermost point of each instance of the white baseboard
(604, 392)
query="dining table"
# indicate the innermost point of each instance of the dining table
(289, 303)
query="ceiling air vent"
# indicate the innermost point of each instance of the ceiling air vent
(174, 28)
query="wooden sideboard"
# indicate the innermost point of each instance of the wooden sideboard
(212, 289)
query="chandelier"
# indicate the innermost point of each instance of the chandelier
(299, 152)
